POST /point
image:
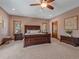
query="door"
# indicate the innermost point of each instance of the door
(55, 29)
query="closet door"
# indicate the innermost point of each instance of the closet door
(55, 29)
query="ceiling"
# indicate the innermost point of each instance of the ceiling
(22, 8)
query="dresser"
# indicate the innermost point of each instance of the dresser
(70, 40)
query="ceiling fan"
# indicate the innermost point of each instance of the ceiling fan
(44, 4)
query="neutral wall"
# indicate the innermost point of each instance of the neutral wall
(60, 20)
(27, 21)
(5, 28)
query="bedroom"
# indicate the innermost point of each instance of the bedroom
(11, 14)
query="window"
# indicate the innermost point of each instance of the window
(44, 27)
(1, 23)
(17, 27)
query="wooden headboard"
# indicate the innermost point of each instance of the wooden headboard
(31, 27)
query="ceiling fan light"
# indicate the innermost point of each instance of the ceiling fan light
(43, 5)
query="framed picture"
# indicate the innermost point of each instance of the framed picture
(71, 23)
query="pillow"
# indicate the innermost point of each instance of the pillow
(33, 31)
(28, 31)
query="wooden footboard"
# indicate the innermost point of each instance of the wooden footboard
(36, 39)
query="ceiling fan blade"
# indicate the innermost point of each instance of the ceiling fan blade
(34, 4)
(50, 7)
(49, 1)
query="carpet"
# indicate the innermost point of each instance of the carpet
(55, 50)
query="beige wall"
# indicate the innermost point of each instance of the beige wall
(27, 21)
(60, 20)
(5, 28)
(8, 23)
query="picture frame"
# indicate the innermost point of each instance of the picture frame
(71, 23)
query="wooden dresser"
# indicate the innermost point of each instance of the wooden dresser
(70, 40)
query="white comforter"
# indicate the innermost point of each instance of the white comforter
(33, 33)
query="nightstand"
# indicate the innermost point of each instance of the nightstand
(18, 36)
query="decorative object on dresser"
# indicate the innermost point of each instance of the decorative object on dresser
(70, 40)
(18, 36)
(69, 32)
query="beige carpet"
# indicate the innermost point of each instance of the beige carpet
(55, 50)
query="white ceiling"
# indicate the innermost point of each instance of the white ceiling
(23, 9)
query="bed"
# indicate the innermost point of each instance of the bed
(35, 37)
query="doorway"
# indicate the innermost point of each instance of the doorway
(55, 29)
